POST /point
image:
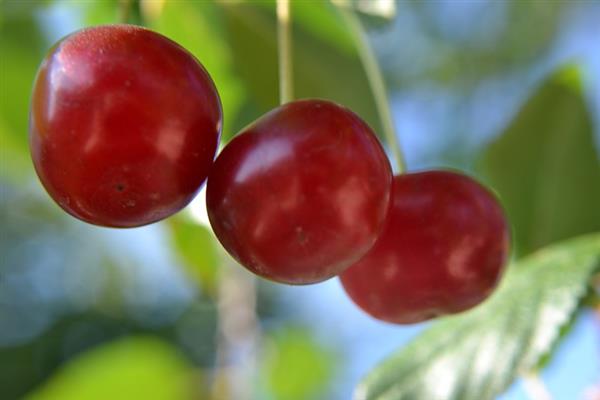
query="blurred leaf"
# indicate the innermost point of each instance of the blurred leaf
(500, 36)
(323, 23)
(593, 298)
(97, 12)
(546, 169)
(12, 8)
(321, 69)
(132, 368)
(316, 20)
(376, 12)
(22, 50)
(105, 11)
(198, 27)
(296, 366)
(65, 286)
(26, 366)
(196, 246)
(54, 265)
(130, 12)
(476, 355)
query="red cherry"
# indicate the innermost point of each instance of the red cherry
(124, 125)
(442, 250)
(300, 194)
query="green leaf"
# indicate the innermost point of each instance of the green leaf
(322, 69)
(196, 247)
(98, 12)
(133, 368)
(476, 355)
(22, 50)
(12, 8)
(317, 20)
(545, 167)
(296, 366)
(460, 56)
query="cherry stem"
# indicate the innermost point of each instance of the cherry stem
(376, 81)
(284, 49)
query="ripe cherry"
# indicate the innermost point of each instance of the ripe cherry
(124, 125)
(442, 250)
(300, 194)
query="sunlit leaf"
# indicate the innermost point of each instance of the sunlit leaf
(12, 8)
(133, 368)
(296, 366)
(545, 167)
(197, 248)
(476, 355)
(21, 51)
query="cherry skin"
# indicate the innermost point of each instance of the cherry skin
(124, 125)
(300, 194)
(442, 250)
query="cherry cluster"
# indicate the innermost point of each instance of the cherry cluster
(124, 128)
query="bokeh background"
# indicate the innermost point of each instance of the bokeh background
(161, 312)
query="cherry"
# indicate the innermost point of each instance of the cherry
(300, 194)
(124, 125)
(442, 250)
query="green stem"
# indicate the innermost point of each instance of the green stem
(376, 82)
(284, 48)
